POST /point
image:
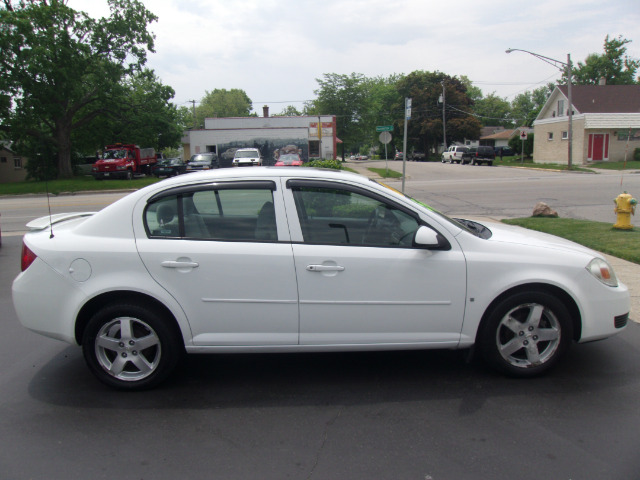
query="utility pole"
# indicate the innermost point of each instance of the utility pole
(193, 109)
(444, 119)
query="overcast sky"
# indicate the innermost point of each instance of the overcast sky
(275, 50)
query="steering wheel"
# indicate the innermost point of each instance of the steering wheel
(381, 226)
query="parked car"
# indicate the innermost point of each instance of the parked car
(506, 151)
(478, 155)
(169, 167)
(247, 157)
(453, 154)
(202, 161)
(417, 156)
(398, 156)
(290, 160)
(294, 260)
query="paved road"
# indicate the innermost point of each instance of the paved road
(458, 190)
(406, 415)
(500, 192)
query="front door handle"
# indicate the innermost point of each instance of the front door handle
(179, 264)
(325, 268)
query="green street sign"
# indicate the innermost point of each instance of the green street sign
(384, 128)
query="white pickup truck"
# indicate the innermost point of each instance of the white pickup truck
(453, 154)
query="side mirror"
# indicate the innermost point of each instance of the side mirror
(426, 237)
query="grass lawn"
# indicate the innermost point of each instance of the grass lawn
(599, 236)
(631, 165)
(76, 184)
(593, 167)
(386, 173)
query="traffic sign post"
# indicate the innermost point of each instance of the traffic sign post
(407, 116)
(385, 137)
(523, 137)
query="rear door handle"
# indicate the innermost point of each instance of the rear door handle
(325, 268)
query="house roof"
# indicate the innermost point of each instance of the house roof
(489, 130)
(501, 135)
(604, 98)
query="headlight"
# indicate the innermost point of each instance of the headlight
(600, 269)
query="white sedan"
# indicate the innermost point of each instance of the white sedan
(289, 259)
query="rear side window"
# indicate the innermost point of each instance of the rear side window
(225, 214)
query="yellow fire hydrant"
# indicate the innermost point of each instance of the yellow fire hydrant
(625, 207)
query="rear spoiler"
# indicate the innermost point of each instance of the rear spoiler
(47, 221)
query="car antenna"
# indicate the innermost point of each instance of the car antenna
(46, 188)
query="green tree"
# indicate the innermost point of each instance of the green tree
(384, 100)
(142, 115)
(344, 96)
(61, 68)
(289, 111)
(425, 127)
(526, 106)
(614, 65)
(223, 103)
(493, 110)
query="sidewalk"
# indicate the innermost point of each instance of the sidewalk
(627, 272)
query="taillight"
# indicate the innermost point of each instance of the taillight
(27, 257)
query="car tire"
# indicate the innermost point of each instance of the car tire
(131, 347)
(490, 163)
(526, 334)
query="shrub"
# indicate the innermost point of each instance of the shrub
(333, 164)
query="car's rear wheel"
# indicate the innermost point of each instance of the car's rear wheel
(526, 334)
(131, 347)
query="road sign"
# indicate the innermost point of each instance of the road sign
(523, 135)
(384, 128)
(407, 109)
(385, 137)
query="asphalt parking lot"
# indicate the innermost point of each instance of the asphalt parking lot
(387, 415)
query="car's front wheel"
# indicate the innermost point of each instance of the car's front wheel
(526, 334)
(131, 347)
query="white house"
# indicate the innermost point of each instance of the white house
(606, 124)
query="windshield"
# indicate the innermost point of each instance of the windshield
(470, 226)
(115, 154)
(201, 158)
(247, 154)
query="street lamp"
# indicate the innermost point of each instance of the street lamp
(560, 66)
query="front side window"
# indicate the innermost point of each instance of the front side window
(344, 217)
(225, 214)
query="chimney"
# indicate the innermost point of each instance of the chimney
(265, 111)
(603, 81)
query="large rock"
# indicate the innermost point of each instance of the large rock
(543, 210)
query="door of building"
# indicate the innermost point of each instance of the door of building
(598, 147)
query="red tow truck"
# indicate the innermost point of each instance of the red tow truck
(124, 161)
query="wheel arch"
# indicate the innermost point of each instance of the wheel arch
(141, 299)
(562, 295)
